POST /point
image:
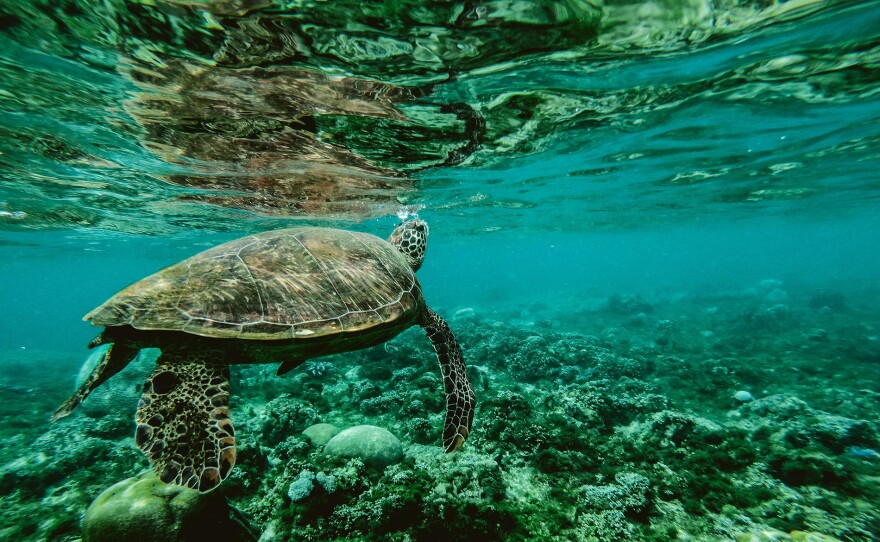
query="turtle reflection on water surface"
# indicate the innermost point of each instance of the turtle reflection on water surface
(285, 295)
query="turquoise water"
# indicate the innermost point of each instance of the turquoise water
(637, 210)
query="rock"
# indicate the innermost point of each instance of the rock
(743, 396)
(770, 284)
(320, 434)
(838, 432)
(816, 334)
(779, 407)
(145, 509)
(826, 299)
(466, 313)
(628, 305)
(374, 445)
(777, 295)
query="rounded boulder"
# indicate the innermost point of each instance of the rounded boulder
(375, 446)
(145, 509)
(320, 433)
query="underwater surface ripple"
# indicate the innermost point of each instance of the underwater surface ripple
(654, 232)
(124, 132)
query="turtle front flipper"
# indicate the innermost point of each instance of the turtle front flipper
(115, 359)
(289, 365)
(460, 398)
(183, 422)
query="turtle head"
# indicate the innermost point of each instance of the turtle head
(411, 239)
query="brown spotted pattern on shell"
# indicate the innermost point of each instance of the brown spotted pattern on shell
(283, 284)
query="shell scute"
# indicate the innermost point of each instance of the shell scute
(302, 282)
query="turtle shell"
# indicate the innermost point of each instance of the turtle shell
(283, 284)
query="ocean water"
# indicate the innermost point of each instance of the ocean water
(654, 231)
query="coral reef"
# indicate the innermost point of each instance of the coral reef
(696, 418)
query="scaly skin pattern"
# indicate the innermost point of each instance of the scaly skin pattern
(183, 420)
(460, 398)
(411, 240)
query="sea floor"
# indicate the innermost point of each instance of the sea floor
(747, 415)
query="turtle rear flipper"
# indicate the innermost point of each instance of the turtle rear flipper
(115, 359)
(460, 398)
(184, 425)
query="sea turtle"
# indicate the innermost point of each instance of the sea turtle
(286, 295)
